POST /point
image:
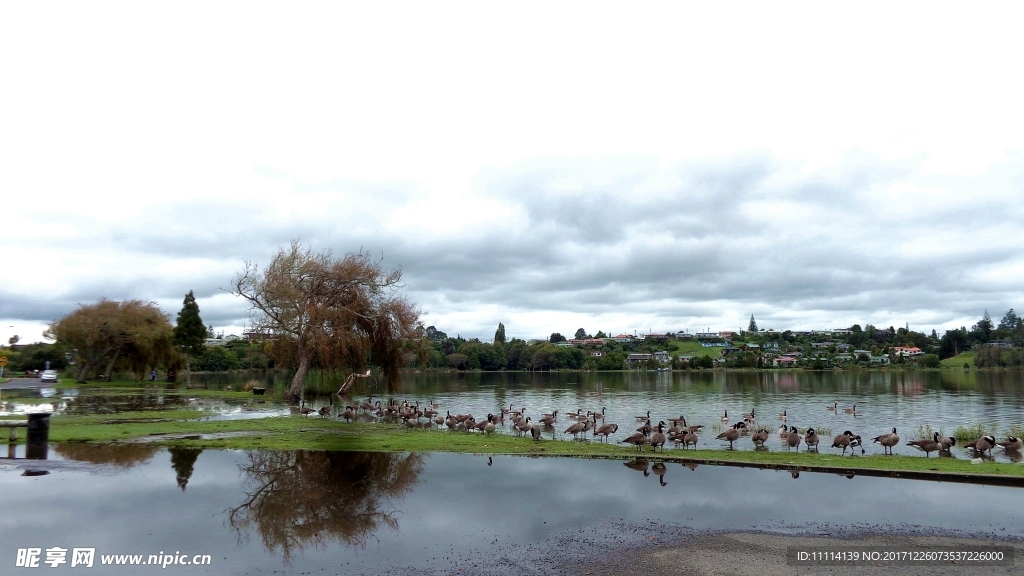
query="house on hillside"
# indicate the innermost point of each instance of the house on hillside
(638, 358)
(662, 357)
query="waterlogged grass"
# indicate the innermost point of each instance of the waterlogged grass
(301, 433)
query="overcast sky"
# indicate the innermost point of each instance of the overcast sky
(547, 165)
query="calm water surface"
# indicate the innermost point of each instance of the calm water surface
(336, 512)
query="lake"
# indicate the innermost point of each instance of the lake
(907, 400)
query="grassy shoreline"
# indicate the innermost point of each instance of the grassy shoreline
(187, 428)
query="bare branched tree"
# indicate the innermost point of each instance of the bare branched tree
(336, 313)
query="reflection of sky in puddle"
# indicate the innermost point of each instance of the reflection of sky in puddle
(460, 503)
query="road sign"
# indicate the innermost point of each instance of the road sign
(3, 360)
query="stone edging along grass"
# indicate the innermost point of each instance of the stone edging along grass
(188, 428)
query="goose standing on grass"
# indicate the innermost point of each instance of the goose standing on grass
(855, 441)
(658, 438)
(638, 439)
(887, 441)
(793, 438)
(927, 445)
(690, 439)
(1012, 444)
(811, 439)
(535, 432)
(842, 441)
(605, 430)
(350, 413)
(575, 429)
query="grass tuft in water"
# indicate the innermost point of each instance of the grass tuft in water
(972, 433)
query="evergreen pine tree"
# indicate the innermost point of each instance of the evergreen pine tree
(752, 327)
(499, 334)
(189, 332)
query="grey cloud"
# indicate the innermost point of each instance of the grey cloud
(632, 239)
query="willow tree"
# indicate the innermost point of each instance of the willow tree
(134, 332)
(337, 313)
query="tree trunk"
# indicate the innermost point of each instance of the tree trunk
(343, 391)
(82, 372)
(110, 365)
(188, 370)
(295, 391)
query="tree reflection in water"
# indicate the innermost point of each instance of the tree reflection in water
(183, 460)
(122, 455)
(302, 498)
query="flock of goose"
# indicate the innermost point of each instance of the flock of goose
(676, 431)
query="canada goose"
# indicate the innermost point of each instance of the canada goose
(1012, 444)
(325, 411)
(887, 440)
(553, 416)
(811, 439)
(549, 420)
(927, 444)
(725, 416)
(575, 429)
(605, 430)
(489, 427)
(696, 428)
(946, 442)
(535, 432)
(690, 438)
(578, 415)
(305, 410)
(855, 441)
(450, 421)
(660, 469)
(843, 441)
(750, 415)
(783, 430)
(833, 407)
(852, 410)
(350, 414)
(783, 416)
(731, 435)
(759, 437)
(368, 405)
(524, 426)
(638, 439)
(658, 438)
(793, 438)
(599, 414)
(984, 444)
(644, 418)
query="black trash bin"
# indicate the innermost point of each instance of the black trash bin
(37, 445)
